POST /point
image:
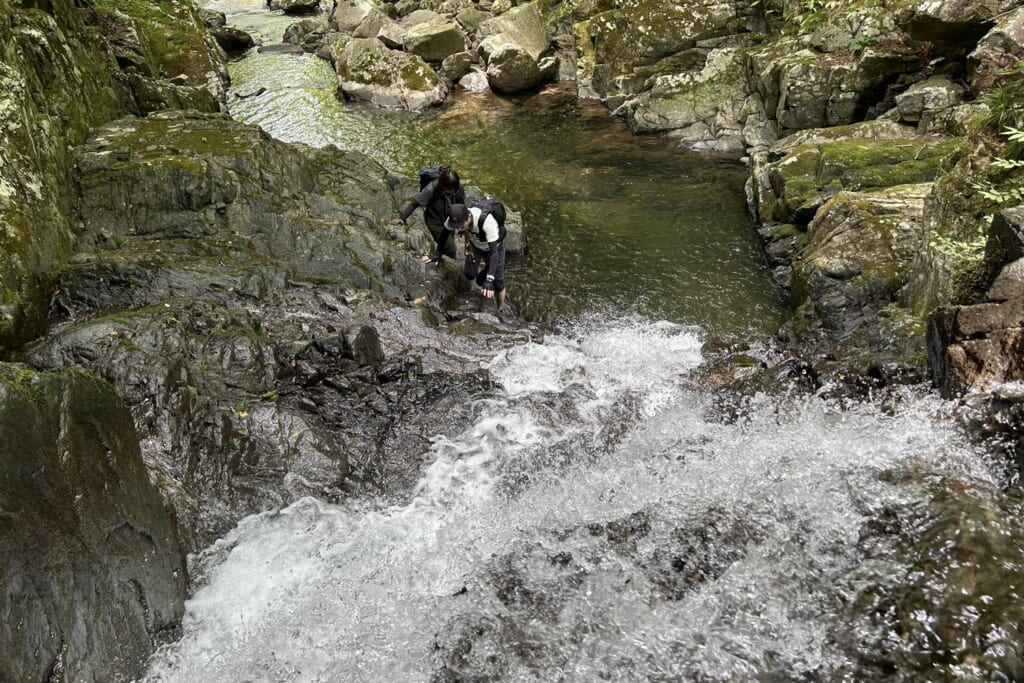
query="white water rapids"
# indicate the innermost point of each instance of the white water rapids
(592, 523)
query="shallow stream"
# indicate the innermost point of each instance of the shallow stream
(615, 223)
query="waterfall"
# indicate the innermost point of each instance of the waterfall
(593, 521)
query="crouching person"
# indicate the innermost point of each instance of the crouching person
(482, 223)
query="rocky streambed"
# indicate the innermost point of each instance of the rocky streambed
(232, 325)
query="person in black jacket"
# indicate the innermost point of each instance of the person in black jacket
(436, 198)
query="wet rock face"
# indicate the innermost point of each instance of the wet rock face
(853, 268)
(245, 405)
(90, 567)
(228, 185)
(254, 307)
(980, 346)
(841, 213)
(68, 67)
(954, 608)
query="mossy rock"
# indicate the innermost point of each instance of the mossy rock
(957, 216)
(852, 270)
(367, 70)
(61, 79)
(641, 32)
(815, 172)
(167, 34)
(56, 83)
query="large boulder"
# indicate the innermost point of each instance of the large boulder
(793, 188)
(208, 177)
(433, 42)
(513, 46)
(156, 94)
(306, 31)
(953, 24)
(923, 100)
(523, 26)
(349, 14)
(802, 88)
(999, 50)
(849, 275)
(233, 40)
(511, 69)
(368, 70)
(975, 348)
(957, 216)
(614, 42)
(93, 577)
(711, 108)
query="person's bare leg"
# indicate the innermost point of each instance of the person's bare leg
(499, 298)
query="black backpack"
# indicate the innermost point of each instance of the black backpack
(431, 173)
(489, 206)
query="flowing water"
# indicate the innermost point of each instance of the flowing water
(600, 519)
(591, 524)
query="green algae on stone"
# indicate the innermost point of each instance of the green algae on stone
(172, 37)
(853, 269)
(814, 172)
(640, 32)
(58, 79)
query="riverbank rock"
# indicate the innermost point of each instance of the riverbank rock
(926, 98)
(295, 6)
(615, 42)
(67, 69)
(231, 39)
(957, 216)
(980, 346)
(850, 273)
(847, 215)
(953, 25)
(433, 42)
(274, 335)
(708, 108)
(997, 52)
(92, 574)
(817, 166)
(514, 46)
(349, 15)
(367, 70)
